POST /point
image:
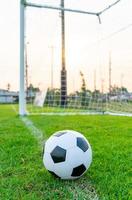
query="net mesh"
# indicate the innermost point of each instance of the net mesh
(83, 103)
(98, 60)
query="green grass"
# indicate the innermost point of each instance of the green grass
(22, 175)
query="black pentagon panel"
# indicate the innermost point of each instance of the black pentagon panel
(60, 133)
(55, 175)
(58, 154)
(82, 144)
(78, 171)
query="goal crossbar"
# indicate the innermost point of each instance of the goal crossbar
(69, 9)
(60, 8)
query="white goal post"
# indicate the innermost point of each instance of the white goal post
(23, 5)
(22, 97)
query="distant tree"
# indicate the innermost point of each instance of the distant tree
(8, 86)
(53, 97)
(123, 89)
(83, 90)
(95, 95)
(115, 90)
(33, 89)
(31, 92)
(96, 92)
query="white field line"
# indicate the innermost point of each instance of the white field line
(37, 133)
(14, 109)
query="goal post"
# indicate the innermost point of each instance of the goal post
(22, 96)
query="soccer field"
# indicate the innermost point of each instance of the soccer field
(22, 175)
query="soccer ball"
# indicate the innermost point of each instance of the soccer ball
(67, 154)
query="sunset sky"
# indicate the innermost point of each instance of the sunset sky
(87, 44)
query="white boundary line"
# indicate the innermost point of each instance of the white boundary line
(37, 133)
(14, 109)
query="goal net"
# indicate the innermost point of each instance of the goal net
(93, 74)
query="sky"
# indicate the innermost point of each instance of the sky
(88, 44)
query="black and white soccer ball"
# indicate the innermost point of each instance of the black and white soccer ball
(67, 154)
